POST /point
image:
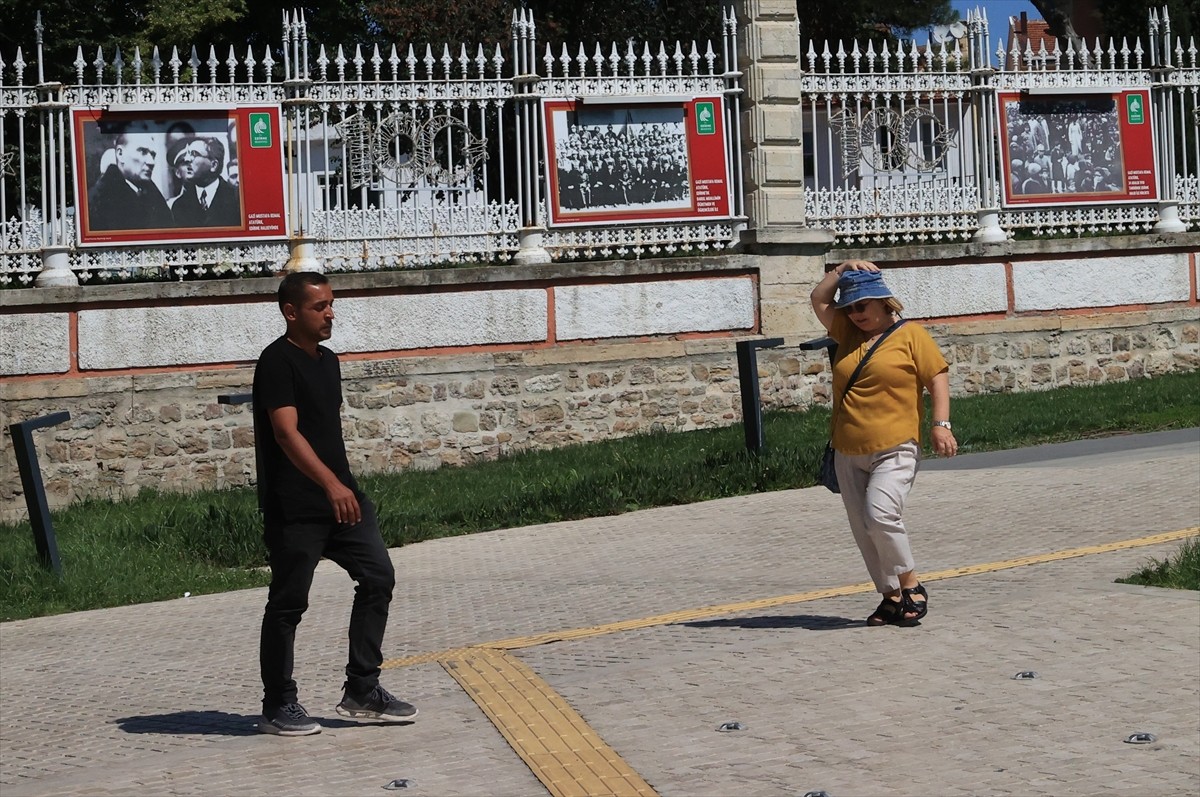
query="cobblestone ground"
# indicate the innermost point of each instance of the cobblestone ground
(161, 699)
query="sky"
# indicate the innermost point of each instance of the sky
(997, 11)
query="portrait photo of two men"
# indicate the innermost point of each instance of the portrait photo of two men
(161, 175)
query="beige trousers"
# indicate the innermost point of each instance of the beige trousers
(874, 489)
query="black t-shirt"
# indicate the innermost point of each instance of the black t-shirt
(286, 376)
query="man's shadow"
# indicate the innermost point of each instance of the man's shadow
(218, 723)
(812, 622)
(198, 723)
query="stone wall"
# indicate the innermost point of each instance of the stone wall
(616, 349)
(166, 431)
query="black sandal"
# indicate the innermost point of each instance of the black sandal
(904, 611)
(911, 606)
(889, 612)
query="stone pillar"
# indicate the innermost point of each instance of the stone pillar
(790, 255)
(772, 146)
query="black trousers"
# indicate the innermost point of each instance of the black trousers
(295, 549)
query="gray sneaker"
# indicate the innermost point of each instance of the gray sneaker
(378, 704)
(290, 719)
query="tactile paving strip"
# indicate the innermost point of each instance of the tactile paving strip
(560, 748)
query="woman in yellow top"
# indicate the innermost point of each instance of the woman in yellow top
(877, 427)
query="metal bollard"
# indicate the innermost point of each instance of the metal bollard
(827, 343)
(235, 398)
(35, 490)
(747, 360)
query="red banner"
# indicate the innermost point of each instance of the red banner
(179, 175)
(613, 159)
(1077, 149)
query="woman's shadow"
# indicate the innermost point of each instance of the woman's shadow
(812, 622)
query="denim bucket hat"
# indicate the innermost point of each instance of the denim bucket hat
(855, 286)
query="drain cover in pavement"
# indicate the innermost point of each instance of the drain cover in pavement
(1141, 737)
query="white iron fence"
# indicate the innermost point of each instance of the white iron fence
(392, 158)
(910, 144)
(410, 156)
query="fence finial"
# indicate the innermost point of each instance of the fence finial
(37, 30)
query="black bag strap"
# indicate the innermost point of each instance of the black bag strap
(863, 361)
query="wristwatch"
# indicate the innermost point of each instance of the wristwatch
(943, 424)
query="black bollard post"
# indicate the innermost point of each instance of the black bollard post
(826, 343)
(748, 377)
(235, 398)
(35, 491)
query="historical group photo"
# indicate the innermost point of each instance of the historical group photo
(620, 158)
(1064, 146)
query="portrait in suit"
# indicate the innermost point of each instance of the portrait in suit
(205, 198)
(125, 197)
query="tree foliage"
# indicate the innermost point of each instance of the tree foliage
(1128, 18)
(125, 24)
(862, 20)
(70, 24)
(605, 21)
(1118, 19)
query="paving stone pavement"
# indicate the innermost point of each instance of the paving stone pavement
(161, 699)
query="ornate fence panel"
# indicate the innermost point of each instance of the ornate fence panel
(648, 71)
(888, 138)
(1180, 92)
(393, 157)
(909, 144)
(404, 155)
(109, 81)
(20, 207)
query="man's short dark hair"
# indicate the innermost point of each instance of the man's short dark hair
(294, 285)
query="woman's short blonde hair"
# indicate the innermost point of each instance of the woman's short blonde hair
(894, 305)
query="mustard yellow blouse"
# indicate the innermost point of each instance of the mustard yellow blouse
(884, 408)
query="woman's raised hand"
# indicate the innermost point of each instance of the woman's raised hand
(856, 265)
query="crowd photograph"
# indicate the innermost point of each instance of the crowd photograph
(620, 159)
(1068, 146)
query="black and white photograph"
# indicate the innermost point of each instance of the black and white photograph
(1059, 145)
(620, 158)
(153, 174)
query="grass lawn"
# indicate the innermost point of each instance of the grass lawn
(155, 546)
(1178, 571)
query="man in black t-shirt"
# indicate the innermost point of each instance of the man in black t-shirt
(312, 507)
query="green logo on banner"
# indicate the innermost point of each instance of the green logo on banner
(260, 129)
(706, 119)
(1135, 109)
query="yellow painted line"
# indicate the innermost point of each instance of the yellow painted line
(689, 615)
(560, 748)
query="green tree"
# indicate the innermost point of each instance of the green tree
(583, 21)
(1129, 18)
(862, 20)
(1117, 19)
(110, 24)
